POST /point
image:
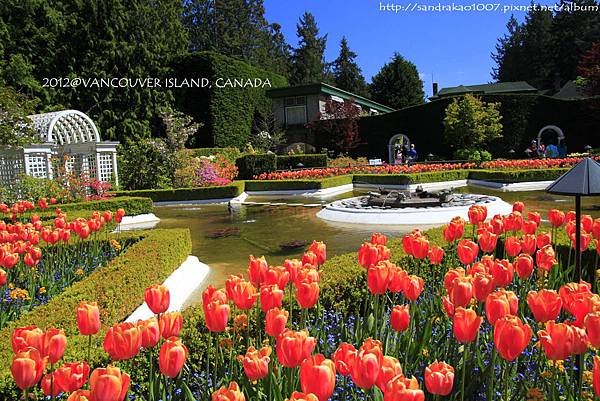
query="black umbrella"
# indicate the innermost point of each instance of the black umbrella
(582, 180)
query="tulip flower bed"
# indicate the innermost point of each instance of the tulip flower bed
(37, 262)
(490, 312)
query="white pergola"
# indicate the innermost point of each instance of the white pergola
(68, 136)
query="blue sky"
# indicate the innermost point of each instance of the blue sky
(453, 47)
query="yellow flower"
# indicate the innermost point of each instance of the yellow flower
(115, 244)
(42, 290)
(19, 293)
(79, 272)
(425, 352)
(588, 376)
(11, 286)
(535, 394)
(560, 365)
(546, 374)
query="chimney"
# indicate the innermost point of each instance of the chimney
(435, 88)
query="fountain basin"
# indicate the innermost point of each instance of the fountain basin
(355, 211)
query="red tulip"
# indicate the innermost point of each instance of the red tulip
(298, 396)
(587, 222)
(451, 275)
(27, 367)
(211, 294)
(483, 285)
(461, 291)
(518, 206)
(400, 318)
(592, 326)
(545, 305)
(412, 287)
(512, 245)
(368, 361)
(319, 249)
(344, 357)
(398, 276)
(454, 230)
(503, 273)
(467, 251)
(277, 275)
(477, 214)
(556, 217)
(150, 331)
(420, 247)
(307, 294)
(466, 325)
(545, 258)
(292, 266)
(256, 270)
(271, 296)
(172, 357)
(584, 242)
(123, 341)
(559, 340)
(71, 376)
(513, 222)
(499, 304)
(109, 384)
(534, 216)
(379, 277)
(528, 244)
(543, 239)
(436, 254)
(369, 254)
(439, 378)
(523, 265)
(157, 298)
(529, 227)
(448, 306)
(487, 241)
(401, 388)
(24, 337)
(2, 277)
(49, 387)
(216, 315)
(378, 239)
(511, 337)
(275, 321)
(293, 347)
(53, 345)
(497, 223)
(390, 368)
(119, 214)
(310, 258)
(256, 363)
(243, 294)
(317, 376)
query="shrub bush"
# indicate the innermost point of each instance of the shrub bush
(118, 288)
(184, 194)
(284, 185)
(133, 205)
(509, 176)
(251, 165)
(416, 178)
(290, 162)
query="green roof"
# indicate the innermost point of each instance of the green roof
(318, 88)
(487, 89)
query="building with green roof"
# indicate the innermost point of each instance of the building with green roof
(520, 87)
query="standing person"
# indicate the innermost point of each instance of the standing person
(405, 154)
(551, 151)
(412, 153)
(533, 149)
(542, 150)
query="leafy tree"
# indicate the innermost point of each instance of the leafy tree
(15, 127)
(508, 53)
(589, 69)
(339, 123)
(397, 84)
(471, 123)
(308, 59)
(346, 72)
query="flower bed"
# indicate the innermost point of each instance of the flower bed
(492, 300)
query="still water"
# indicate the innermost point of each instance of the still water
(259, 230)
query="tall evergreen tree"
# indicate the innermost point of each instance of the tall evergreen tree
(509, 53)
(308, 60)
(537, 39)
(346, 72)
(397, 84)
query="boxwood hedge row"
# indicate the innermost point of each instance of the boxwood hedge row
(183, 194)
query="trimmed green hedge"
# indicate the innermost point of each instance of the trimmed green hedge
(133, 205)
(291, 161)
(405, 179)
(118, 288)
(284, 185)
(183, 194)
(509, 176)
(251, 165)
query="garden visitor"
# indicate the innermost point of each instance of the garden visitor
(412, 153)
(532, 150)
(562, 149)
(551, 151)
(541, 150)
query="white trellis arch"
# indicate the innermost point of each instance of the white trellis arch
(559, 133)
(70, 134)
(392, 142)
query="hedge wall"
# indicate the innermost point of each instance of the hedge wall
(406, 179)
(251, 165)
(522, 117)
(133, 205)
(284, 185)
(291, 161)
(518, 175)
(227, 113)
(184, 194)
(118, 288)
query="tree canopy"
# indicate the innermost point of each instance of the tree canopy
(15, 126)
(398, 84)
(308, 59)
(346, 72)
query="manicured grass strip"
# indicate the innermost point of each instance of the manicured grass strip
(118, 288)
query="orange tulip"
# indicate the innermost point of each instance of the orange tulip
(370, 254)
(171, 357)
(109, 384)
(271, 296)
(466, 325)
(398, 276)
(119, 214)
(596, 375)
(512, 245)
(436, 254)
(483, 285)
(317, 376)
(378, 239)
(54, 344)
(123, 341)
(310, 258)
(71, 376)
(451, 275)
(243, 294)
(412, 287)
(344, 357)
(543, 239)
(80, 395)
(157, 298)
(497, 223)
(211, 294)
(461, 291)
(401, 388)
(499, 304)
(477, 214)
(298, 396)
(277, 275)
(390, 368)
(293, 347)
(518, 206)
(88, 318)
(530, 227)
(454, 230)
(448, 306)
(439, 378)
(545, 305)
(511, 337)
(231, 393)
(365, 370)
(559, 340)
(49, 387)
(528, 244)
(592, 326)
(307, 294)
(487, 241)
(27, 367)
(503, 273)
(216, 315)
(379, 277)
(256, 362)
(570, 292)
(150, 331)
(420, 247)
(256, 270)
(467, 251)
(534, 216)
(275, 321)
(319, 249)
(545, 258)
(524, 265)
(400, 318)
(24, 337)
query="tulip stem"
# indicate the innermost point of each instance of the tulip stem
(491, 381)
(89, 348)
(464, 369)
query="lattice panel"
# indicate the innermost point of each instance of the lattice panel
(37, 165)
(11, 165)
(105, 170)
